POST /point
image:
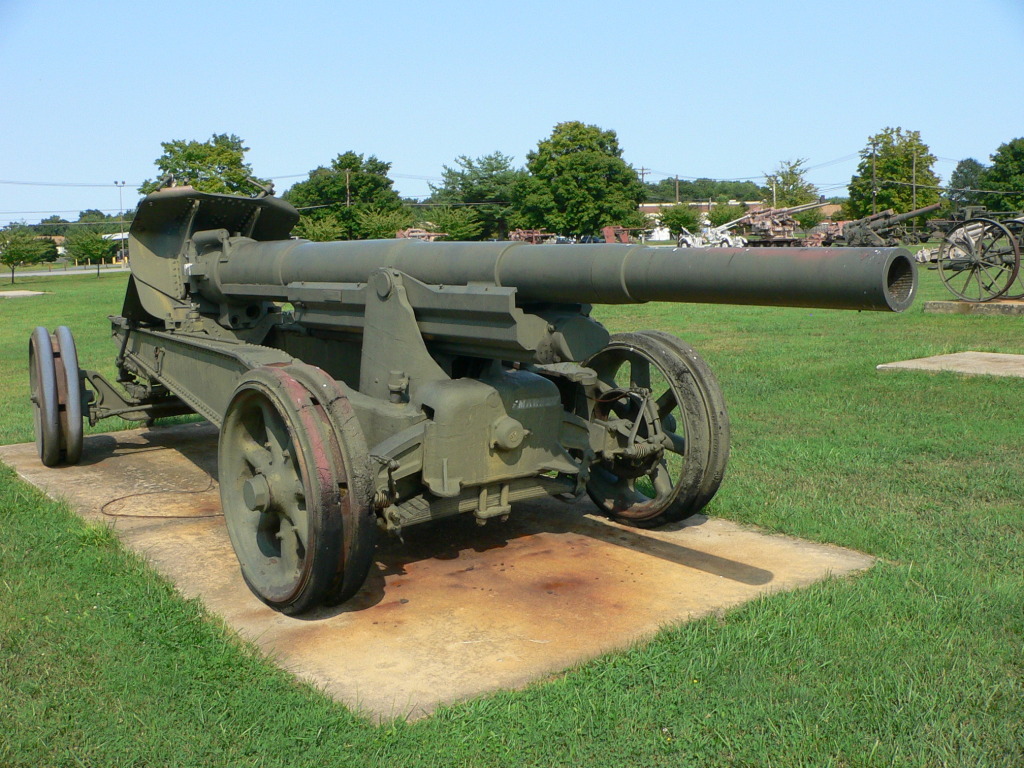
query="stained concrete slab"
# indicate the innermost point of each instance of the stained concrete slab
(19, 294)
(973, 363)
(957, 307)
(455, 611)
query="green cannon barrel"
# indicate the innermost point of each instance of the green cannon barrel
(882, 279)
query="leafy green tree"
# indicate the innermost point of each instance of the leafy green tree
(351, 186)
(1005, 175)
(579, 183)
(87, 245)
(382, 223)
(457, 223)
(964, 183)
(52, 226)
(885, 177)
(216, 165)
(488, 184)
(20, 247)
(703, 190)
(676, 217)
(723, 214)
(322, 230)
(788, 185)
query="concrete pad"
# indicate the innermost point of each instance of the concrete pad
(455, 611)
(19, 294)
(957, 307)
(972, 363)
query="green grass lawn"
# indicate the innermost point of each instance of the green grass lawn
(919, 662)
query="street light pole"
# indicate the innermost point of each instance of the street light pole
(120, 213)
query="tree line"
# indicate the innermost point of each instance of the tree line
(573, 183)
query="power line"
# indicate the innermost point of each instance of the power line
(58, 184)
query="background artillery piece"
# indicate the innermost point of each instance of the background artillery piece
(881, 230)
(380, 384)
(979, 259)
(767, 227)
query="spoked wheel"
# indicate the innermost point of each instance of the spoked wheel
(1016, 227)
(296, 504)
(56, 393)
(667, 430)
(979, 260)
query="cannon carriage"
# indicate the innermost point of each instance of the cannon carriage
(979, 259)
(368, 386)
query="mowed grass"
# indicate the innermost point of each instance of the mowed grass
(918, 662)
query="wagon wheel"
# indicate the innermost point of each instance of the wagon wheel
(978, 260)
(298, 516)
(42, 378)
(667, 430)
(1016, 289)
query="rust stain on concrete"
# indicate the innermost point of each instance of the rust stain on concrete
(455, 611)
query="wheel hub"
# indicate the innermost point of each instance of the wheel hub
(256, 493)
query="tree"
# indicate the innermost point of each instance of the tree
(52, 226)
(676, 217)
(456, 223)
(322, 230)
(964, 183)
(382, 223)
(350, 185)
(216, 165)
(704, 190)
(885, 177)
(488, 184)
(1005, 177)
(87, 245)
(579, 183)
(723, 214)
(788, 185)
(19, 247)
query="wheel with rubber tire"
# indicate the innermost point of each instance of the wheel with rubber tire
(294, 489)
(42, 376)
(69, 394)
(666, 427)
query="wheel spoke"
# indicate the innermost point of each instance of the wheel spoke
(674, 443)
(662, 479)
(640, 373)
(255, 455)
(292, 550)
(666, 403)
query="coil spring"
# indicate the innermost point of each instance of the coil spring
(640, 450)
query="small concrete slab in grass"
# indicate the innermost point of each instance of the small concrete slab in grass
(456, 610)
(19, 294)
(994, 307)
(972, 363)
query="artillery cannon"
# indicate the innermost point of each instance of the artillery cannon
(880, 229)
(768, 227)
(377, 385)
(979, 259)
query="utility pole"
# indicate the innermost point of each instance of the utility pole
(913, 181)
(677, 190)
(874, 182)
(643, 174)
(348, 190)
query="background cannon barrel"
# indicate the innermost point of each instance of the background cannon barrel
(890, 219)
(851, 278)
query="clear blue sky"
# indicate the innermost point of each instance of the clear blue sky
(721, 89)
